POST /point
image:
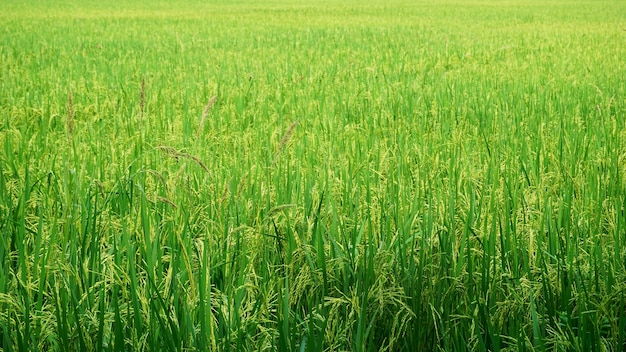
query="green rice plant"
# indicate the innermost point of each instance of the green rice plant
(362, 176)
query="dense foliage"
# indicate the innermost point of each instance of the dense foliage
(372, 175)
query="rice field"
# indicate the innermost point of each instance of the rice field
(332, 176)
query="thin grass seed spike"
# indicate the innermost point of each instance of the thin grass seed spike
(142, 98)
(70, 117)
(286, 137)
(175, 154)
(205, 113)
